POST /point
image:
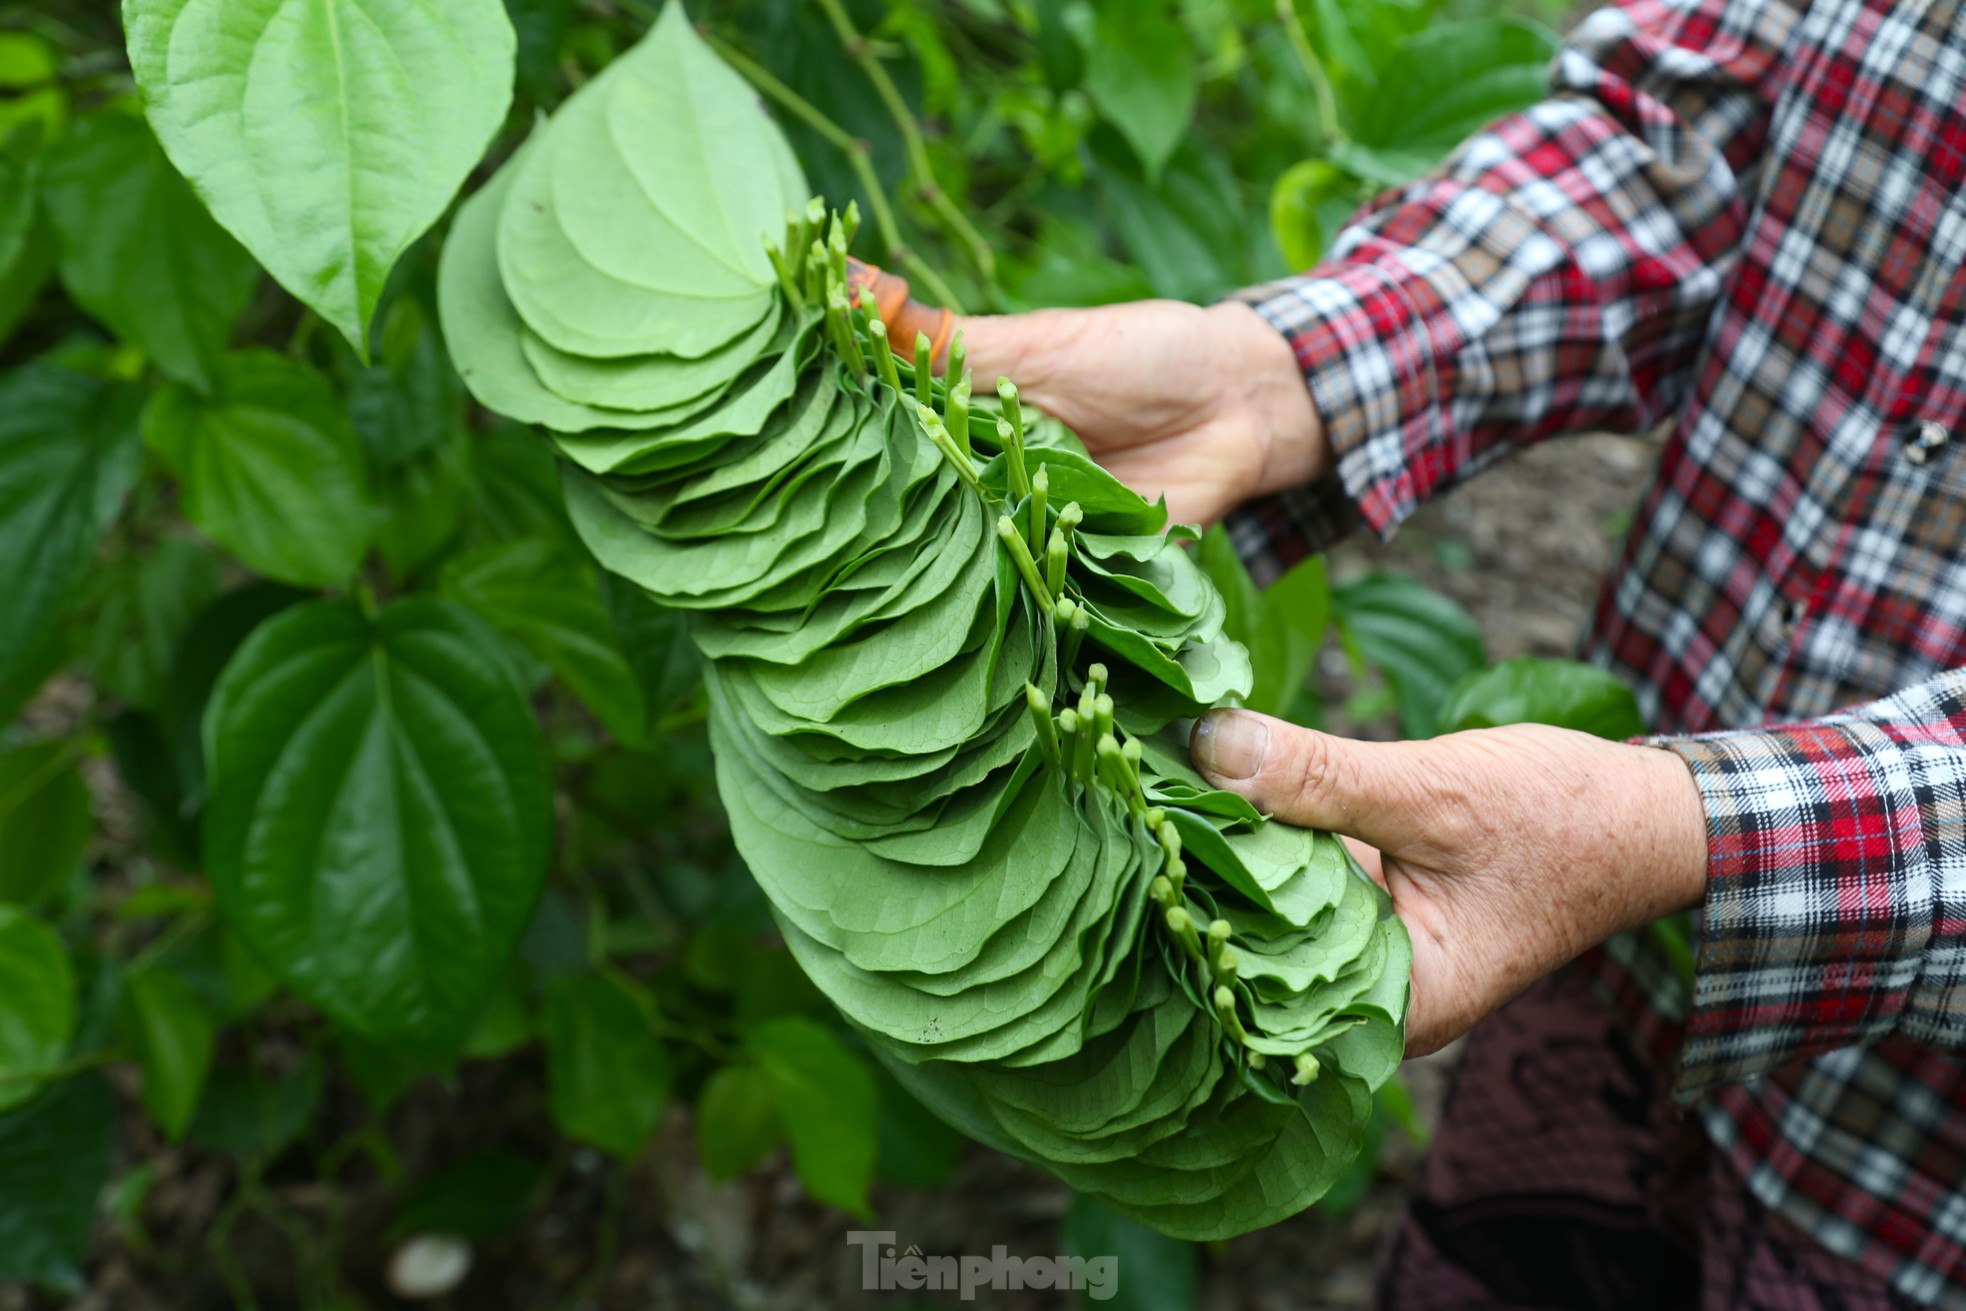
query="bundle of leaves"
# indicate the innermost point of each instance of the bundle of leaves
(948, 658)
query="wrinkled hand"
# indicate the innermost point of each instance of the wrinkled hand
(1507, 851)
(1206, 406)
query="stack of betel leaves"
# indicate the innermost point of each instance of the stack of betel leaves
(948, 661)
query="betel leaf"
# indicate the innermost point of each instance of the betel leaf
(1532, 691)
(737, 1121)
(68, 457)
(137, 249)
(45, 822)
(477, 1199)
(1140, 72)
(1421, 641)
(27, 247)
(379, 824)
(828, 1104)
(549, 602)
(54, 1159)
(325, 135)
(270, 468)
(254, 1113)
(1147, 1271)
(138, 608)
(608, 1075)
(1282, 625)
(37, 1003)
(172, 1036)
(1448, 82)
(30, 70)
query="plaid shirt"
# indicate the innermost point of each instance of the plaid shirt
(1747, 218)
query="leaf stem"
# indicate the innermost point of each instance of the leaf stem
(1327, 99)
(862, 53)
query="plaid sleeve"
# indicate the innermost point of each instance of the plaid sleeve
(1554, 275)
(1836, 894)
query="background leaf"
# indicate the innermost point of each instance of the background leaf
(271, 469)
(54, 1160)
(326, 145)
(37, 1003)
(607, 1074)
(1532, 691)
(45, 822)
(378, 828)
(1420, 640)
(1154, 1272)
(68, 457)
(737, 1121)
(550, 603)
(828, 1104)
(139, 252)
(173, 1038)
(1140, 72)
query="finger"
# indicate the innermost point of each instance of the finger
(1369, 790)
(907, 319)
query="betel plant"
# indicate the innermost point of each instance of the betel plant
(278, 488)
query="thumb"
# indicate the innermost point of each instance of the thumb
(1314, 780)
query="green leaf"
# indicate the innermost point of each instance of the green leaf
(54, 1160)
(30, 67)
(1422, 642)
(379, 823)
(828, 1104)
(45, 822)
(478, 1199)
(656, 639)
(1282, 627)
(326, 137)
(37, 1003)
(252, 1114)
(1144, 1271)
(608, 1076)
(548, 601)
(1140, 72)
(139, 252)
(270, 467)
(1450, 81)
(142, 604)
(68, 457)
(1307, 206)
(172, 1036)
(1532, 691)
(737, 1121)
(541, 27)
(27, 246)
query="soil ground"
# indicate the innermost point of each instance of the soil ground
(1523, 548)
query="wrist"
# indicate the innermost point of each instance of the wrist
(1270, 388)
(1677, 824)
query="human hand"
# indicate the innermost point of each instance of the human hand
(1204, 406)
(1506, 851)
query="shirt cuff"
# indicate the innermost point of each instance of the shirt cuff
(1819, 905)
(1369, 362)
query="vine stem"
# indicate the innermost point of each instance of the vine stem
(847, 144)
(1320, 79)
(861, 52)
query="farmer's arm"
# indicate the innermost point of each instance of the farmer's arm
(1830, 858)
(1554, 275)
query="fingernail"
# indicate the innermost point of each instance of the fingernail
(1230, 743)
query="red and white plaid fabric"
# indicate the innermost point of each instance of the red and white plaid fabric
(1748, 218)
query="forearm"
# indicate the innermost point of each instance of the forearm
(1556, 274)
(1835, 913)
